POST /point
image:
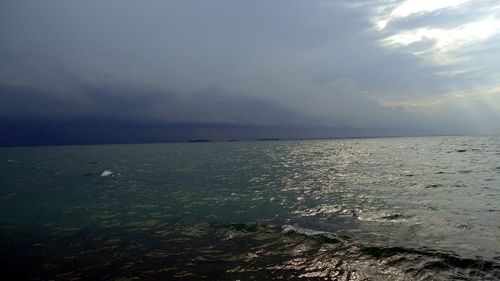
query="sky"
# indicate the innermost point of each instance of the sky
(151, 71)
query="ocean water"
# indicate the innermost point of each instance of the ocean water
(356, 209)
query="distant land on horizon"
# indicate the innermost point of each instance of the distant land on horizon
(31, 132)
(90, 132)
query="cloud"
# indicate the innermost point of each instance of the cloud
(412, 7)
(282, 63)
(445, 41)
(448, 28)
(128, 102)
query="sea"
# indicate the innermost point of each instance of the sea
(419, 208)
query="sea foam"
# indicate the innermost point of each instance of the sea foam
(106, 173)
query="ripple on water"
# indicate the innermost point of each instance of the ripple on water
(175, 213)
(384, 217)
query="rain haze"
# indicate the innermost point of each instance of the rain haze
(152, 71)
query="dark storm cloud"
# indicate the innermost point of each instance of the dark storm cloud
(140, 103)
(282, 64)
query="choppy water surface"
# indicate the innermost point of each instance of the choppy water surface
(358, 209)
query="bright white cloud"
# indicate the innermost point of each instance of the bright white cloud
(459, 42)
(448, 39)
(441, 43)
(410, 7)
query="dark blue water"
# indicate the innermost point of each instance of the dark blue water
(358, 209)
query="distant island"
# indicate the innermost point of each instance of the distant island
(233, 140)
(267, 139)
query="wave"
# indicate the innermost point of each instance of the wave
(107, 173)
(338, 253)
(241, 251)
(327, 236)
(387, 251)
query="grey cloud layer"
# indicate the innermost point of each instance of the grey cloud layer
(280, 63)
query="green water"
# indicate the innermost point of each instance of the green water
(370, 209)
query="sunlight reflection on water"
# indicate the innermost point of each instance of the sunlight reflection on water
(406, 208)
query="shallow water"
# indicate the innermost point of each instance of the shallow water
(357, 209)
